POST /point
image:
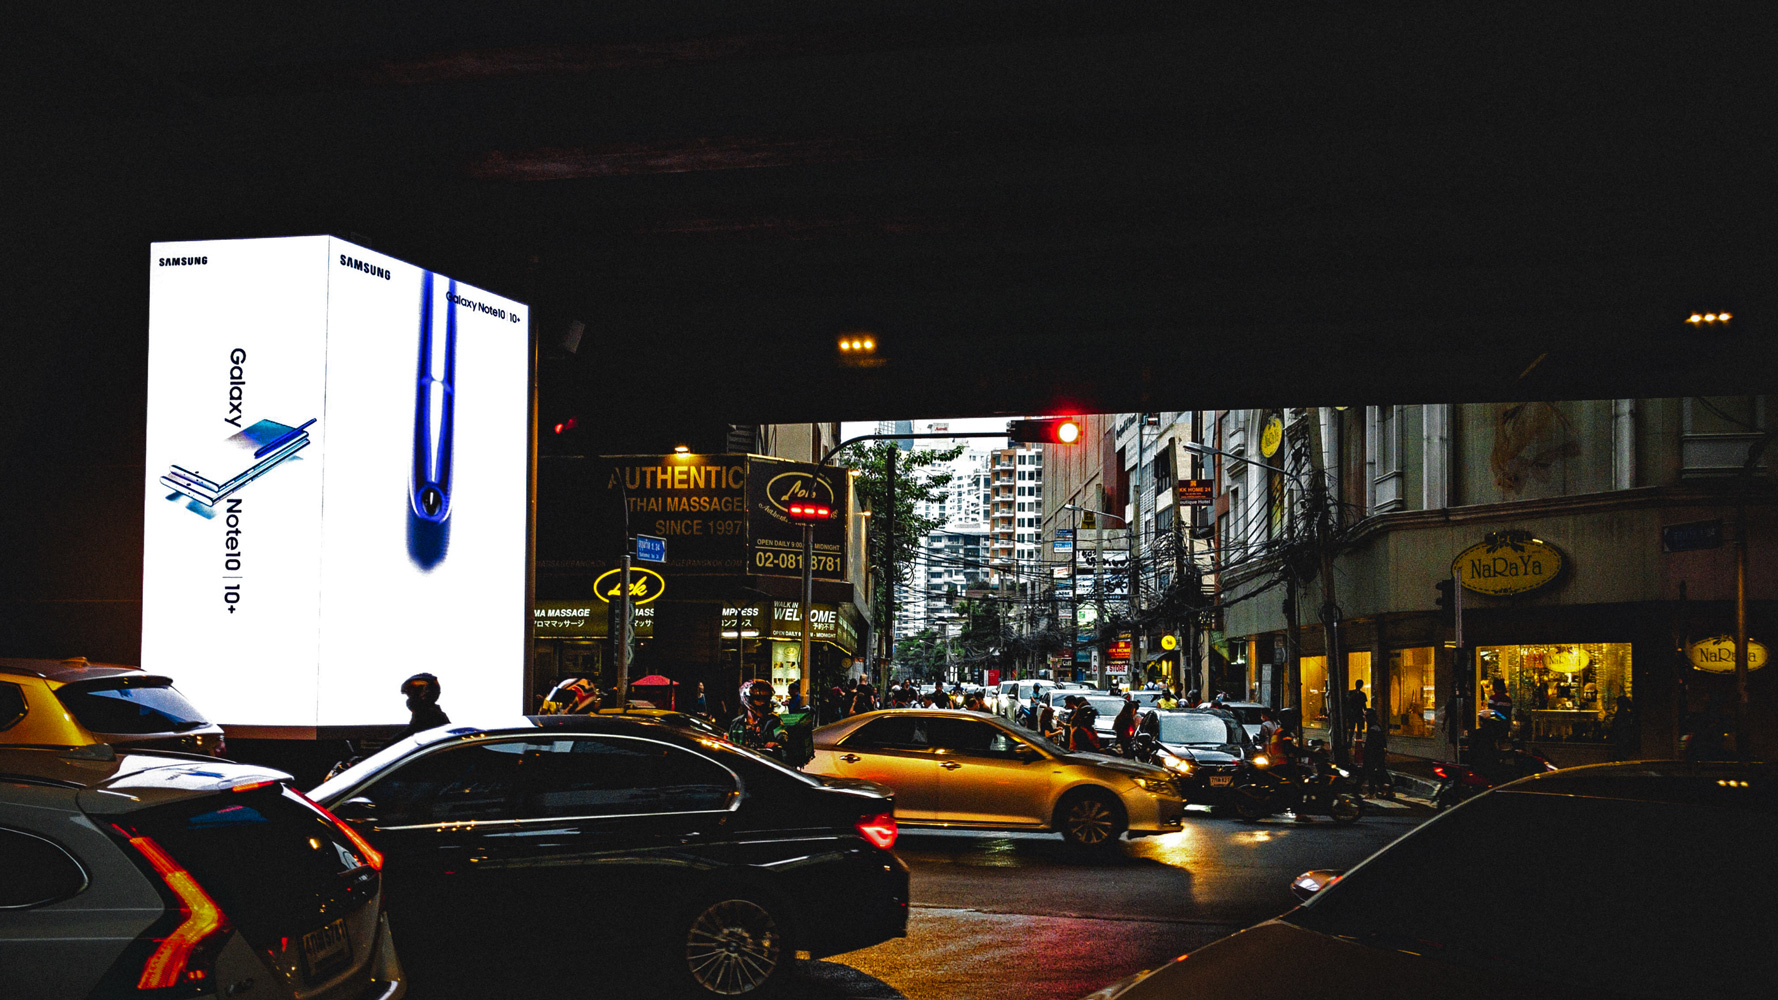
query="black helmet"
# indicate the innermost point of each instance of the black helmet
(421, 688)
(758, 695)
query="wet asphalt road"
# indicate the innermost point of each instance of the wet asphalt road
(1024, 917)
(1020, 916)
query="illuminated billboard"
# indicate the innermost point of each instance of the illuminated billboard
(336, 483)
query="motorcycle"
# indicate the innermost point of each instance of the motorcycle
(1458, 782)
(1321, 788)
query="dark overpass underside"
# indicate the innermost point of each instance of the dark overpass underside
(1035, 206)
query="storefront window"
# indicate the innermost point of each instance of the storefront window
(1313, 670)
(1412, 693)
(1564, 692)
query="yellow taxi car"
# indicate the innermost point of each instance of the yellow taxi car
(76, 703)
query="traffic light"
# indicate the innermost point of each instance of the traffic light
(1045, 430)
(1446, 603)
(808, 511)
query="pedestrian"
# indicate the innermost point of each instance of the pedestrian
(1192, 700)
(796, 698)
(1166, 699)
(699, 705)
(1083, 735)
(1375, 777)
(1268, 727)
(1125, 727)
(1626, 735)
(1150, 725)
(1216, 700)
(1355, 708)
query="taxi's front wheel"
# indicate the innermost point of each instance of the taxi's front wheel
(1091, 819)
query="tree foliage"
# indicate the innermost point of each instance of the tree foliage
(920, 476)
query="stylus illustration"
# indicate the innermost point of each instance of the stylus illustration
(429, 492)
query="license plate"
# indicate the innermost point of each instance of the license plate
(1219, 780)
(327, 949)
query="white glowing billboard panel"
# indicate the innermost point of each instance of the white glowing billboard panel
(336, 483)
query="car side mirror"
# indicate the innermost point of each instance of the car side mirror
(1311, 882)
(357, 809)
(1026, 753)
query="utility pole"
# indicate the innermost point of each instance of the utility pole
(623, 631)
(1320, 511)
(892, 568)
(1140, 635)
(808, 604)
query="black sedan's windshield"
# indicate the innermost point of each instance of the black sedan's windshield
(1197, 729)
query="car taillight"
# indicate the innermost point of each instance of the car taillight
(182, 958)
(372, 856)
(879, 830)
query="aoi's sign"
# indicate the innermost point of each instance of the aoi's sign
(1717, 654)
(1505, 563)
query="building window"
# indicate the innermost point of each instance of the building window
(1384, 450)
(1563, 693)
(1412, 692)
(1719, 431)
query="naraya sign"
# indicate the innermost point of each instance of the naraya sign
(1505, 563)
(1717, 654)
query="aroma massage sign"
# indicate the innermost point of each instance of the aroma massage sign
(1505, 563)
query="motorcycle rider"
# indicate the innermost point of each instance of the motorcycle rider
(422, 692)
(757, 727)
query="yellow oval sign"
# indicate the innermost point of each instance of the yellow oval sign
(1717, 654)
(1169, 643)
(1271, 436)
(645, 585)
(1505, 563)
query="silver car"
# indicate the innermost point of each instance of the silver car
(139, 874)
(973, 770)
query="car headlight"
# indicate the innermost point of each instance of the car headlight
(1176, 763)
(1157, 785)
(1261, 760)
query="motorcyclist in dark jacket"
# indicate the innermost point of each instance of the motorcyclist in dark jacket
(757, 727)
(422, 692)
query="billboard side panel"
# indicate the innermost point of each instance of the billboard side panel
(232, 498)
(423, 565)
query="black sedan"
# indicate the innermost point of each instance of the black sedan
(1205, 747)
(677, 852)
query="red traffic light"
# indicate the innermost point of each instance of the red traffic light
(1048, 430)
(805, 511)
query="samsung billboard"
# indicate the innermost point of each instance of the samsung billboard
(336, 482)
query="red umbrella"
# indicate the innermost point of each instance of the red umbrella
(652, 681)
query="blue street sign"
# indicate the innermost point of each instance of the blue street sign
(651, 549)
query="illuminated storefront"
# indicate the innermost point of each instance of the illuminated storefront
(1559, 693)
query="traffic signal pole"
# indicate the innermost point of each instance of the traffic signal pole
(808, 605)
